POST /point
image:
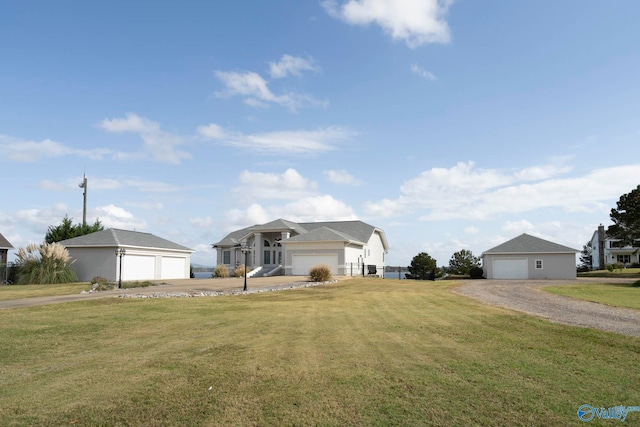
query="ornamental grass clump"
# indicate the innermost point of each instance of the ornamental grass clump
(221, 271)
(240, 271)
(48, 263)
(320, 273)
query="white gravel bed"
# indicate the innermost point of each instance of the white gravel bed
(526, 296)
(208, 293)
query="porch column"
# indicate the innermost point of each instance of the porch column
(284, 236)
(258, 249)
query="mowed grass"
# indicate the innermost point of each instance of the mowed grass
(625, 272)
(9, 292)
(354, 353)
(616, 294)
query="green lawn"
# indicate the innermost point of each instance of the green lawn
(625, 272)
(616, 294)
(30, 291)
(354, 353)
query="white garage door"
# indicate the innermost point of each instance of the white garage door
(303, 263)
(138, 267)
(173, 268)
(513, 268)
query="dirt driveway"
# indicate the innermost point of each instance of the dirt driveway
(169, 286)
(528, 297)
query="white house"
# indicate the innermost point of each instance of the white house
(529, 257)
(606, 250)
(290, 248)
(146, 257)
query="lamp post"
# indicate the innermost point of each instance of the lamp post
(120, 253)
(245, 250)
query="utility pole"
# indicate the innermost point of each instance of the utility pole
(83, 185)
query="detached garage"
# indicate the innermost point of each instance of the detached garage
(145, 256)
(529, 257)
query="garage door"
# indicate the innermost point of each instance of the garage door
(138, 267)
(303, 263)
(173, 268)
(512, 268)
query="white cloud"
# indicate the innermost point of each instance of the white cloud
(30, 151)
(302, 203)
(306, 209)
(291, 65)
(423, 73)
(341, 177)
(255, 89)
(160, 145)
(288, 185)
(464, 192)
(471, 230)
(279, 142)
(416, 22)
(204, 223)
(112, 216)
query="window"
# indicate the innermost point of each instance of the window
(538, 264)
(226, 257)
(266, 244)
(625, 259)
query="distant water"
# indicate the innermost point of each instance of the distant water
(202, 274)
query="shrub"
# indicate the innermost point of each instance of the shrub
(636, 284)
(46, 264)
(610, 267)
(320, 273)
(239, 271)
(99, 279)
(221, 271)
(476, 273)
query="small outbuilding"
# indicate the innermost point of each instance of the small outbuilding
(4, 249)
(142, 256)
(529, 257)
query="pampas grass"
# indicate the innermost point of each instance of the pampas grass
(45, 264)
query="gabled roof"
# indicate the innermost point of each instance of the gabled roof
(4, 243)
(119, 238)
(529, 244)
(323, 234)
(349, 231)
(278, 225)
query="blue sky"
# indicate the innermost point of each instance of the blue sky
(449, 124)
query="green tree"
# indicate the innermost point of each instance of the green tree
(462, 262)
(586, 260)
(67, 230)
(626, 218)
(423, 267)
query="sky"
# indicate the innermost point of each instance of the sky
(448, 124)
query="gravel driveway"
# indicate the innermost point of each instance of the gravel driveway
(526, 296)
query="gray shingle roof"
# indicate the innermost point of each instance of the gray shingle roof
(323, 234)
(529, 244)
(4, 243)
(114, 238)
(350, 231)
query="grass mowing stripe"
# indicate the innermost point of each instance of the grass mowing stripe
(360, 352)
(615, 294)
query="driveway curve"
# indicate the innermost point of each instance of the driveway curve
(528, 297)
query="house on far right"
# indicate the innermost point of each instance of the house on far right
(529, 257)
(606, 250)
